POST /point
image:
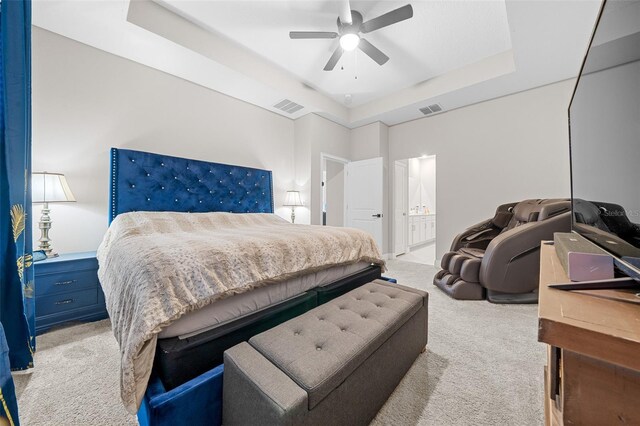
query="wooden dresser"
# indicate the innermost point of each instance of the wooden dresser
(592, 375)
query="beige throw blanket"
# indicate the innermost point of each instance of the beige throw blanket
(157, 266)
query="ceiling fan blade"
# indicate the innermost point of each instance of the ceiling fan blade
(333, 60)
(312, 34)
(373, 52)
(345, 13)
(390, 18)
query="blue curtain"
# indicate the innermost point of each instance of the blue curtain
(8, 403)
(16, 270)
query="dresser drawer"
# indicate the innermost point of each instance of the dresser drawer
(64, 282)
(66, 302)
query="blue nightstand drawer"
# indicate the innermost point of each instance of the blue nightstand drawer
(64, 282)
(67, 289)
(66, 302)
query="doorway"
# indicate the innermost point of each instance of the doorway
(333, 171)
(415, 209)
(353, 194)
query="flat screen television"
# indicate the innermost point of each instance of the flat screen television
(604, 128)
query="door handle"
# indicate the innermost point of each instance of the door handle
(376, 215)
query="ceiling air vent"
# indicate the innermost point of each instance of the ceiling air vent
(287, 106)
(431, 109)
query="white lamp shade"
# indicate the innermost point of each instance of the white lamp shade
(50, 188)
(293, 199)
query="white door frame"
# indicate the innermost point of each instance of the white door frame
(405, 249)
(323, 168)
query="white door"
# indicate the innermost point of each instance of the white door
(364, 196)
(400, 202)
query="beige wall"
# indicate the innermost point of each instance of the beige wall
(506, 149)
(315, 135)
(86, 101)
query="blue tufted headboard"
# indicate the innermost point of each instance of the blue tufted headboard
(142, 181)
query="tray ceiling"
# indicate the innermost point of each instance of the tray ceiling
(451, 53)
(441, 36)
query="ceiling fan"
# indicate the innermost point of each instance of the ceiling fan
(350, 26)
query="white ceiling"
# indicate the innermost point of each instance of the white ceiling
(441, 36)
(455, 53)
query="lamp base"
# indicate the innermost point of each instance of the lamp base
(293, 215)
(45, 226)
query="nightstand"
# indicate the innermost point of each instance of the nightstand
(67, 289)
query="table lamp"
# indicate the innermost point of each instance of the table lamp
(48, 188)
(293, 200)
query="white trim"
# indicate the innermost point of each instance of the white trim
(325, 156)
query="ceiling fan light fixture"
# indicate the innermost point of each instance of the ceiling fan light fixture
(349, 41)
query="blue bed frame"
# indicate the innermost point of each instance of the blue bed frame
(143, 181)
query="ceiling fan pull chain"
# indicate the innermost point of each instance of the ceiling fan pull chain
(355, 67)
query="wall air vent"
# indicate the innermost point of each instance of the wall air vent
(431, 109)
(287, 106)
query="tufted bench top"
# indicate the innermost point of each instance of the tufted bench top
(321, 348)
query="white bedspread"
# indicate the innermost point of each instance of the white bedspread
(157, 266)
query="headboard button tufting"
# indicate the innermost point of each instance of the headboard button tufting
(224, 188)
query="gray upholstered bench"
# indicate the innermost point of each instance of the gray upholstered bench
(334, 365)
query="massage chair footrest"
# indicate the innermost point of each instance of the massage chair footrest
(458, 288)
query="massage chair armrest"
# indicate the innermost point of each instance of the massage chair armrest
(460, 239)
(510, 263)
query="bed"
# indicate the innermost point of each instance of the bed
(150, 190)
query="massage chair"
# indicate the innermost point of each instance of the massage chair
(498, 259)
(607, 220)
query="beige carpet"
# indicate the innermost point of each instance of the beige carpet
(483, 367)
